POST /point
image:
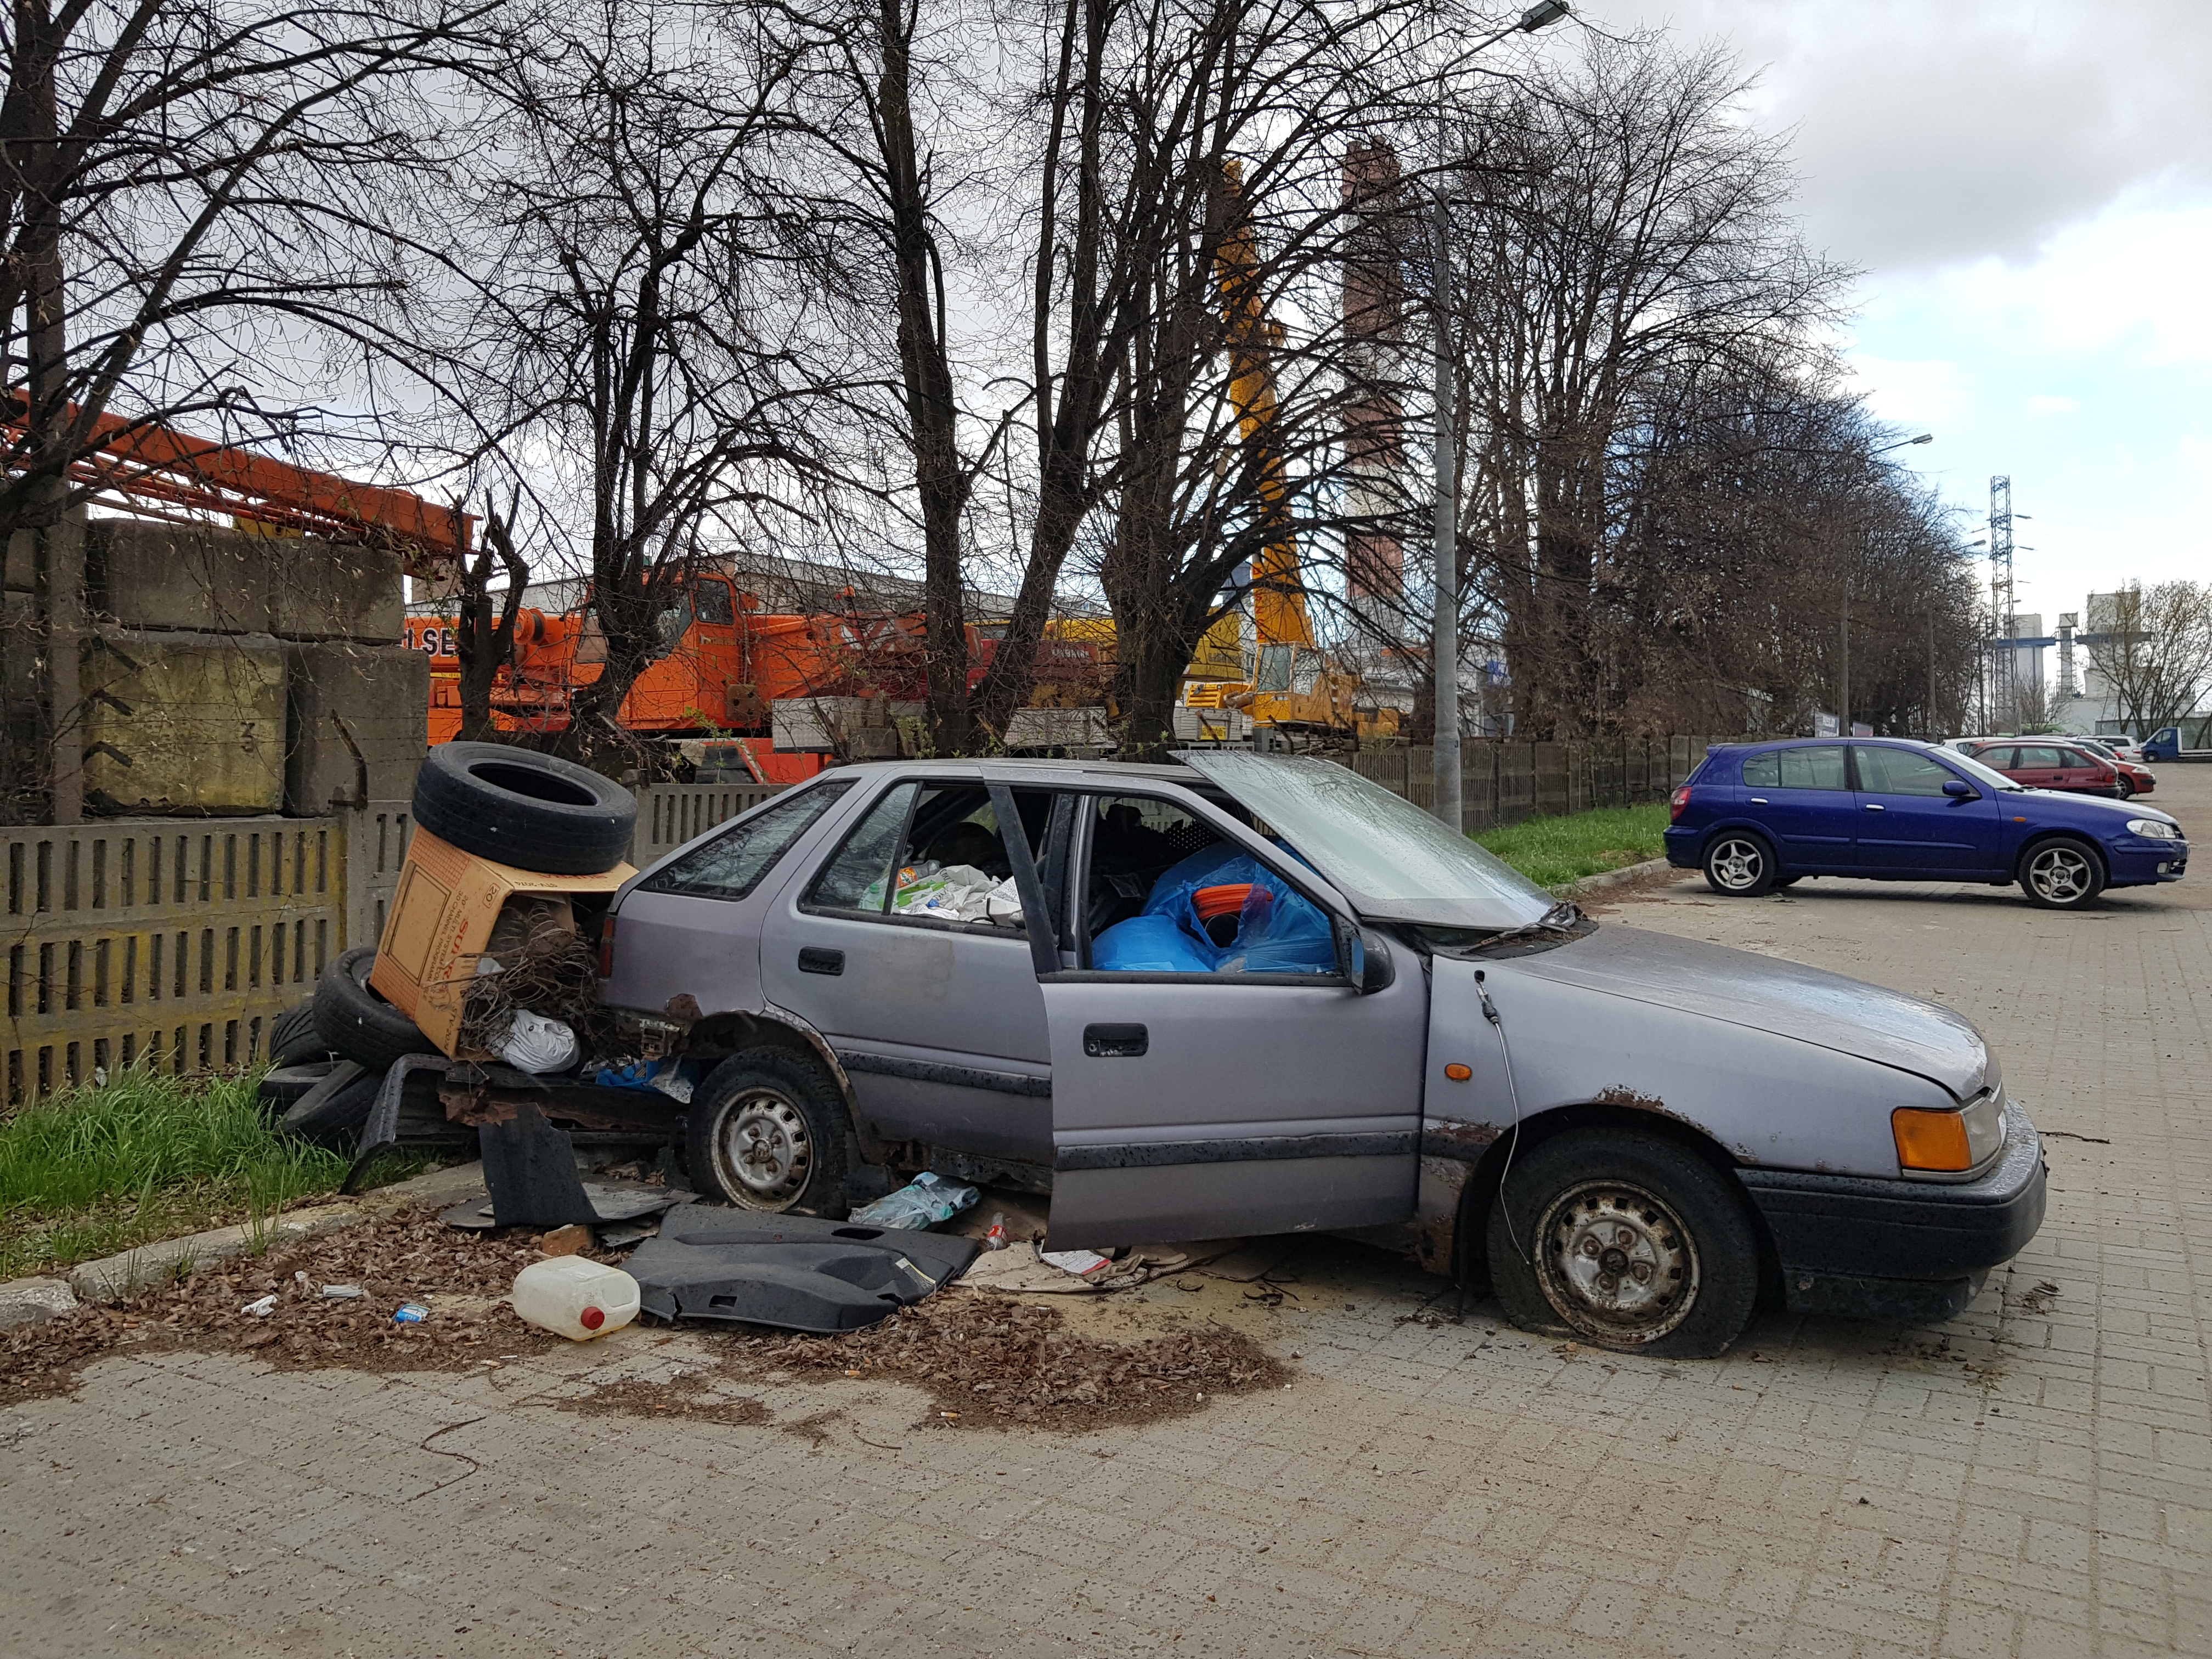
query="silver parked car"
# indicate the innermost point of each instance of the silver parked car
(1258, 994)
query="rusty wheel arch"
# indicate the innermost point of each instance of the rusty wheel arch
(1470, 1256)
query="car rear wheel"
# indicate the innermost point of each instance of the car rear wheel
(2062, 874)
(767, 1130)
(1739, 864)
(1625, 1240)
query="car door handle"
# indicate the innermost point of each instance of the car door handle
(813, 959)
(1115, 1042)
(1759, 800)
(1873, 807)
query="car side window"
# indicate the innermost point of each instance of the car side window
(731, 864)
(934, 852)
(2038, 759)
(1820, 767)
(1763, 771)
(1998, 760)
(1900, 772)
(2074, 759)
(857, 876)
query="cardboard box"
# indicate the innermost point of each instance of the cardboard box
(441, 920)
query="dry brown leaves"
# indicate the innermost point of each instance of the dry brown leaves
(986, 1359)
(406, 1256)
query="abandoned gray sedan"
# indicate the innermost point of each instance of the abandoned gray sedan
(1258, 994)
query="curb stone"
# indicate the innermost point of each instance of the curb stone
(1605, 879)
(34, 1302)
(112, 1278)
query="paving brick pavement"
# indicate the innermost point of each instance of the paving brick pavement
(2033, 1478)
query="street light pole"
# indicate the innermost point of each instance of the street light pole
(1443, 635)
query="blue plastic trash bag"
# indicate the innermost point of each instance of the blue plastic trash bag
(1281, 931)
(1152, 944)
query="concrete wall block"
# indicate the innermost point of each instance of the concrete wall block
(322, 590)
(165, 575)
(342, 697)
(184, 723)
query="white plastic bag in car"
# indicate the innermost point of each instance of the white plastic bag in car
(1003, 904)
(535, 1044)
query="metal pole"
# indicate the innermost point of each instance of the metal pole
(1444, 637)
(1935, 726)
(1843, 666)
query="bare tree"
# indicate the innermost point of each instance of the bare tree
(484, 640)
(651, 358)
(196, 197)
(2152, 646)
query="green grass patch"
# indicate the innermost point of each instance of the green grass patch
(94, 1169)
(1553, 852)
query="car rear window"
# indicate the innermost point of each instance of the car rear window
(731, 864)
(1819, 767)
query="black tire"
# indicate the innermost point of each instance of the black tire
(1583, 1198)
(291, 1037)
(519, 808)
(767, 1130)
(282, 1086)
(335, 1120)
(352, 1020)
(1739, 864)
(2063, 873)
(2122, 789)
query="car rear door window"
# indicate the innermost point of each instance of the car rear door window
(1899, 772)
(1819, 767)
(2003, 759)
(857, 876)
(930, 852)
(731, 864)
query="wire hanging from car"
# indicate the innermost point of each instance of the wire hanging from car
(1513, 1093)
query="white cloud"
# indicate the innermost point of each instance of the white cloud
(2044, 403)
(1912, 391)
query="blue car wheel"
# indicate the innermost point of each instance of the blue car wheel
(2062, 873)
(1739, 864)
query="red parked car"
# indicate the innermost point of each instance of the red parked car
(2058, 764)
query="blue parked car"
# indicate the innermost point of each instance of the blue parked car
(1755, 817)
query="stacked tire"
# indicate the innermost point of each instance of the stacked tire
(527, 811)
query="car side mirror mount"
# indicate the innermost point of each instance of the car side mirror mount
(1959, 789)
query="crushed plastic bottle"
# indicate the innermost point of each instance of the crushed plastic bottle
(918, 1206)
(995, 1236)
(575, 1297)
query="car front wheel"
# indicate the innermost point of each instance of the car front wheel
(2062, 874)
(1625, 1240)
(2124, 788)
(1739, 864)
(766, 1130)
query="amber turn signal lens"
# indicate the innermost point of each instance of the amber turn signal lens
(1930, 1140)
(1457, 1072)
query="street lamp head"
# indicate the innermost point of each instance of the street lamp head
(1925, 438)
(1542, 14)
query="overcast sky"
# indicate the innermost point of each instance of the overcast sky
(2028, 187)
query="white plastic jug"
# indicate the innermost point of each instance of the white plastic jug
(574, 1297)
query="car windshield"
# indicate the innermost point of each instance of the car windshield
(1988, 777)
(1393, 861)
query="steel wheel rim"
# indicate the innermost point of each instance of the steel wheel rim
(1736, 864)
(762, 1151)
(1616, 1263)
(2059, 874)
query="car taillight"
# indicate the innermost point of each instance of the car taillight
(607, 948)
(1677, 801)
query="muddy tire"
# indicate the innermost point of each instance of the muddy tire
(767, 1130)
(336, 1120)
(281, 1087)
(1626, 1241)
(354, 1022)
(2062, 873)
(291, 1036)
(1740, 865)
(517, 807)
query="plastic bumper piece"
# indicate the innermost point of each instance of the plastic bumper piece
(1905, 1250)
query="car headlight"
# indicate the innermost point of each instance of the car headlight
(2155, 828)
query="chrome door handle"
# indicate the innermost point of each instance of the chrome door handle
(1759, 800)
(1873, 807)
